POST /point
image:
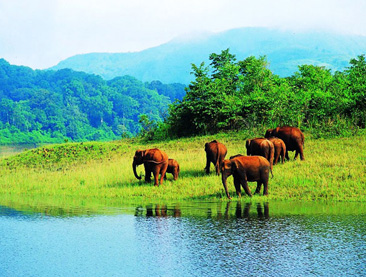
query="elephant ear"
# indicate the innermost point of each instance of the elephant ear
(247, 144)
(206, 146)
(140, 153)
(268, 133)
(234, 165)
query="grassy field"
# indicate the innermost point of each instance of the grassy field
(334, 169)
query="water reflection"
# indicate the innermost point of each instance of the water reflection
(184, 239)
(158, 211)
(241, 212)
(237, 210)
(238, 238)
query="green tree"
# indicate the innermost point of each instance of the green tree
(356, 90)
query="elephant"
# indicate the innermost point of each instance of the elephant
(246, 169)
(173, 168)
(215, 153)
(292, 137)
(261, 147)
(279, 149)
(155, 161)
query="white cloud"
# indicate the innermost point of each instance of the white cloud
(40, 33)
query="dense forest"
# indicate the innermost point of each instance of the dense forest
(239, 95)
(54, 106)
(225, 95)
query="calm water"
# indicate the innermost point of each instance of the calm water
(8, 150)
(198, 239)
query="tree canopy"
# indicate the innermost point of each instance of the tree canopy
(50, 106)
(226, 94)
(232, 95)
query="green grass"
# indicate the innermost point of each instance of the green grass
(334, 169)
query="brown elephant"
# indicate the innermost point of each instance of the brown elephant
(173, 168)
(279, 149)
(292, 137)
(260, 147)
(215, 153)
(246, 169)
(155, 161)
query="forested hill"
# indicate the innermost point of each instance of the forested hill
(52, 106)
(171, 62)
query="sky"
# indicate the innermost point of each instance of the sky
(41, 33)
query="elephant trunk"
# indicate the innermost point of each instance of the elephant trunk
(134, 165)
(224, 182)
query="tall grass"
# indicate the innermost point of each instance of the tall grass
(334, 169)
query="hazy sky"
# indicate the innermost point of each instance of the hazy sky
(40, 33)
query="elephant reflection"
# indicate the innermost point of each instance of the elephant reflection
(244, 213)
(158, 211)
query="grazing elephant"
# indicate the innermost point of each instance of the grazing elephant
(279, 149)
(246, 169)
(292, 137)
(215, 153)
(260, 147)
(155, 161)
(173, 168)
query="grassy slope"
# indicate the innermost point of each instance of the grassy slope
(334, 170)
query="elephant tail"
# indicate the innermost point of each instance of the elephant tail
(271, 154)
(271, 172)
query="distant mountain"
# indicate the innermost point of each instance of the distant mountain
(171, 62)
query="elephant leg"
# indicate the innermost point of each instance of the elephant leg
(175, 174)
(217, 168)
(301, 153)
(265, 187)
(286, 155)
(241, 177)
(162, 170)
(147, 174)
(296, 154)
(156, 177)
(207, 168)
(237, 186)
(258, 189)
(276, 159)
(246, 188)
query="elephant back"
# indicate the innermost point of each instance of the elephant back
(156, 155)
(291, 136)
(278, 144)
(261, 147)
(216, 150)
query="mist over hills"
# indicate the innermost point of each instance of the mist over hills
(171, 62)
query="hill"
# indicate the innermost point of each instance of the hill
(171, 62)
(53, 106)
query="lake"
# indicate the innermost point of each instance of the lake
(8, 150)
(184, 239)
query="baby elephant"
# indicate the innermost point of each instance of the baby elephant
(279, 149)
(173, 168)
(246, 169)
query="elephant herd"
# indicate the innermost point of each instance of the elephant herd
(262, 154)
